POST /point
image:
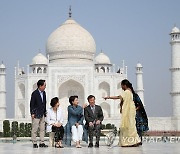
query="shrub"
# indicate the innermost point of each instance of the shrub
(21, 130)
(103, 126)
(26, 130)
(1, 134)
(29, 126)
(14, 129)
(6, 128)
(108, 126)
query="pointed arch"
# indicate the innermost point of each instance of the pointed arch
(21, 91)
(102, 70)
(67, 89)
(104, 89)
(39, 70)
(22, 110)
(106, 109)
(34, 86)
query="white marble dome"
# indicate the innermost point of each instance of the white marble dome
(175, 30)
(102, 59)
(2, 66)
(139, 65)
(70, 41)
(39, 59)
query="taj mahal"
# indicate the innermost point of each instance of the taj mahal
(71, 66)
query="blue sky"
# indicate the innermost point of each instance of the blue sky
(130, 30)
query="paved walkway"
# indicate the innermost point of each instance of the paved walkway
(146, 148)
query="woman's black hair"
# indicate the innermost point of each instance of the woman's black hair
(72, 98)
(128, 84)
(54, 101)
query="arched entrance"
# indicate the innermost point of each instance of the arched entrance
(67, 89)
(104, 89)
(106, 109)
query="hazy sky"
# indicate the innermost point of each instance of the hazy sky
(130, 30)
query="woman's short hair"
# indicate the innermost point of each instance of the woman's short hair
(72, 98)
(54, 101)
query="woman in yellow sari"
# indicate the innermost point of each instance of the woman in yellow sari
(128, 132)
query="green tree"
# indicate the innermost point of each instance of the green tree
(21, 130)
(26, 130)
(6, 128)
(108, 126)
(29, 129)
(14, 129)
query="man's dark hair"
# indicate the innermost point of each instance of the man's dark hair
(90, 96)
(72, 98)
(40, 83)
(54, 101)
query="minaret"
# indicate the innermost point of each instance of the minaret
(175, 70)
(139, 82)
(2, 92)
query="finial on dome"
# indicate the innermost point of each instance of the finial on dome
(70, 12)
(101, 51)
(39, 50)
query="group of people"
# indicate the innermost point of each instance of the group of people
(134, 120)
(92, 114)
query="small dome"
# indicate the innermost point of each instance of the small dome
(2, 66)
(175, 30)
(39, 59)
(138, 65)
(102, 59)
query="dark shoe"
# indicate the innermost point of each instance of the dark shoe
(90, 145)
(42, 145)
(35, 146)
(57, 146)
(97, 145)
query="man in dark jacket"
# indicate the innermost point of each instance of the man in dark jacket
(38, 113)
(94, 116)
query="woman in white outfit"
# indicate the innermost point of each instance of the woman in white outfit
(75, 119)
(55, 123)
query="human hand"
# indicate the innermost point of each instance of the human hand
(105, 98)
(98, 122)
(90, 124)
(84, 105)
(58, 124)
(33, 116)
(77, 124)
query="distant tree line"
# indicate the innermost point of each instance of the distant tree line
(24, 129)
(16, 129)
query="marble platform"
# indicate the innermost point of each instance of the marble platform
(146, 148)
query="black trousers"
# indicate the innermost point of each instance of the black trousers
(59, 133)
(94, 129)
